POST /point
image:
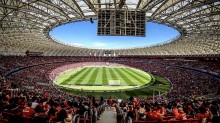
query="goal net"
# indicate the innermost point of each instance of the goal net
(114, 82)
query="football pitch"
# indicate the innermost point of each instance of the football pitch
(103, 78)
(116, 81)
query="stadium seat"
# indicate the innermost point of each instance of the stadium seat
(194, 121)
(167, 121)
(90, 116)
(84, 118)
(185, 121)
(129, 120)
(168, 117)
(76, 118)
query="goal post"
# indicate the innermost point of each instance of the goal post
(114, 82)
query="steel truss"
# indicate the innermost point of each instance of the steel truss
(25, 25)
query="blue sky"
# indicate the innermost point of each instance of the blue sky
(84, 34)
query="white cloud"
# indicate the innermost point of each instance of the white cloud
(75, 44)
(99, 44)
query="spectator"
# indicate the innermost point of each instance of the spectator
(28, 111)
(215, 116)
(61, 116)
(153, 116)
(181, 115)
(202, 114)
(141, 112)
(130, 113)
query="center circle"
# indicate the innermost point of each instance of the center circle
(103, 78)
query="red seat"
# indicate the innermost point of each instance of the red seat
(142, 121)
(84, 118)
(190, 121)
(195, 121)
(90, 116)
(76, 118)
(170, 121)
(168, 117)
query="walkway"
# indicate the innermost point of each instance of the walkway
(108, 116)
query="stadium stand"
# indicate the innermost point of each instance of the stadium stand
(187, 83)
(190, 61)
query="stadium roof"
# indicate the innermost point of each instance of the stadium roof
(25, 25)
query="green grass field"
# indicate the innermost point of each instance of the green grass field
(99, 78)
(103, 76)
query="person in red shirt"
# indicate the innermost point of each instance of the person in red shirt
(53, 111)
(153, 116)
(190, 111)
(109, 102)
(28, 111)
(181, 115)
(135, 103)
(161, 110)
(202, 114)
(175, 110)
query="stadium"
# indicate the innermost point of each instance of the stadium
(43, 79)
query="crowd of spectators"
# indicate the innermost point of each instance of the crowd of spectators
(37, 87)
(206, 66)
(48, 108)
(181, 78)
(145, 110)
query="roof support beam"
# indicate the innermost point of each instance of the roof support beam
(187, 7)
(147, 4)
(164, 2)
(121, 4)
(61, 11)
(91, 6)
(78, 7)
(139, 2)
